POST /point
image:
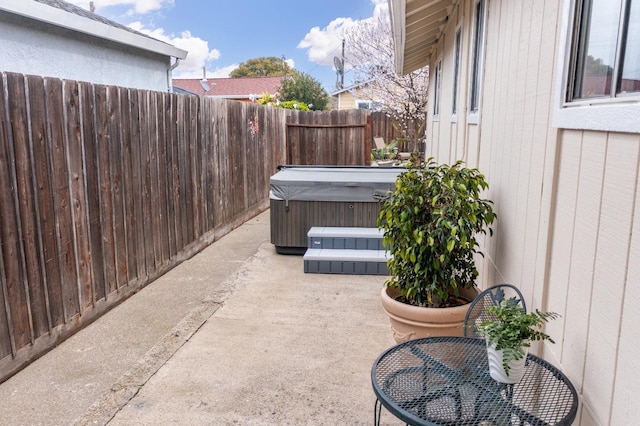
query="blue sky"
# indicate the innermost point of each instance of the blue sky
(221, 34)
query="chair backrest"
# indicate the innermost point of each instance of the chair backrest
(379, 142)
(477, 312)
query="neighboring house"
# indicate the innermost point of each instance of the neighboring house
(240, 89)
(54, 38)
(353, 97)
(543, 97)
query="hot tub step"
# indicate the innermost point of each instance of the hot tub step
(346, 261)
(339, 238)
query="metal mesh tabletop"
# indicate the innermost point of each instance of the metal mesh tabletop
(445, 381)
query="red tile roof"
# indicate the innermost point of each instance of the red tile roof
(234, 88)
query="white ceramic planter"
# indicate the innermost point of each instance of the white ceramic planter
(496, 369)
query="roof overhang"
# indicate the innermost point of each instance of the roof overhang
(52, 15)
(417, 26)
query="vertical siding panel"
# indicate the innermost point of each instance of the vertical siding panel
(565, 213)
(627, 387)
(525, 113)
(571, 350)
(490, 151)
(510, 97)
(492, 160)
(530, 160)
(610, 273)
(543, 147)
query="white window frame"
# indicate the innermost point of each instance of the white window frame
(437, 90)
(477, 57)
(457, 62)
(361, 101)
(611, 114)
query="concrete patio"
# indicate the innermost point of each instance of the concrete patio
(237, 335)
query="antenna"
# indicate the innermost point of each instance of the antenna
(337, 62)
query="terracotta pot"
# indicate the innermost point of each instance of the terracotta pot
(496, 369)
(412, 322)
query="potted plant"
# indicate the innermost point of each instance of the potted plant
(509, 337)
(430, 223)
(385, 155)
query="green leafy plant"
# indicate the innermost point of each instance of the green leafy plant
(513, 329)
(430, 223)
(387, 152)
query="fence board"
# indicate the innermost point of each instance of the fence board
(66, 256)
(78, 195)
(27, 217)
(154, 183)
(163, 160)
(106, 202)
(16, 297)
(145, 159)
(132, 131)
(90, 143)
(117, 190)
(41, 175)
(173, 194)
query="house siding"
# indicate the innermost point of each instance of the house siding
(36, 48)
(565, 199)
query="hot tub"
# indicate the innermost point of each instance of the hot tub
(302, 197)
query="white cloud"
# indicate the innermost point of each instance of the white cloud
(199, 53)
(323, 44)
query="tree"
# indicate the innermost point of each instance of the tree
(262, 67)
(304, 88)
(370, 51)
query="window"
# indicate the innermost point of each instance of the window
(456, 70)
(436, 91)
(605, 53)
(476, 64)
(372, 105)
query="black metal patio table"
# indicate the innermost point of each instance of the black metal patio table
(445, 381)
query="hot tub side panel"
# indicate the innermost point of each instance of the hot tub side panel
(289, 228)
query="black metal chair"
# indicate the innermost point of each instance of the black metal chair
(494, 295)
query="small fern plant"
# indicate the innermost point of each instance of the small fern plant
(513, 329)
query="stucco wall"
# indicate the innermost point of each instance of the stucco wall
(41, 49)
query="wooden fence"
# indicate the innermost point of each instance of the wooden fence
(383, 127)
(330, 138)
(103, 189)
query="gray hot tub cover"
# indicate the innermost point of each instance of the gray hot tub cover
(358, 184)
